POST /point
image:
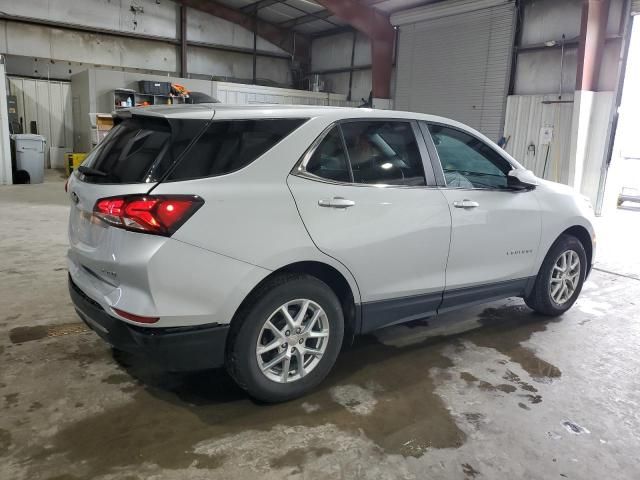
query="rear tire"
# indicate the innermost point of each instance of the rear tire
(266, 348)
(559, 281)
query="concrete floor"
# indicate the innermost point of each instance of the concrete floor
(490, 392)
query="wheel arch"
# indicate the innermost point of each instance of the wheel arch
(330, 275)
(582, 234)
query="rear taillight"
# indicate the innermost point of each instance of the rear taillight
(156, 214)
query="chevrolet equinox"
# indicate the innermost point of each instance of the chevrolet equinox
(263, 237)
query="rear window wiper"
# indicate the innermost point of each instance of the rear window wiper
(91, 172)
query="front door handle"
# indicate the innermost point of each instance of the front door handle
(465, 204)
(336, 202)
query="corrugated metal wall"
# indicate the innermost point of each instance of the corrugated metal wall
(49, 105)
(458, 66)
(526, 115)
(5, 153)
(239, 93)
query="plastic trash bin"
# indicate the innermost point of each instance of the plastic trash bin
(30, 155)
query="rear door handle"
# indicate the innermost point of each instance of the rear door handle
(336, 202)
(465, 204)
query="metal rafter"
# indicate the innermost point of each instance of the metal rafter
(295, 43)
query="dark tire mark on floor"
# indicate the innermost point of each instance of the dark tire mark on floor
(5, 441)
(27, 334)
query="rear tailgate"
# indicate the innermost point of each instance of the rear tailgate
(132, 159)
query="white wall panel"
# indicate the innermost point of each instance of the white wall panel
(5, 153)
(538, 72)
(360, 84)
(221, 64)
(335, 51)
(3, 36)
(30, 104)
(35, 41)
(546, 20)
(525, 116)
(67, 112)
(202, 27)
(255, 94)
(592, 169)
(27, 42)
(159, 18)
(274, 69)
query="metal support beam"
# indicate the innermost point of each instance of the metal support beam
(251, 7)
(183, 41)
(309, 17)
(255, 45)
(353, 58)
(299, 48)
(329, 71)
(136, 36)
(593, 30)
(377, 27)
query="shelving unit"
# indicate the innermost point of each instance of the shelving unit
(121, 95)
(143, 100)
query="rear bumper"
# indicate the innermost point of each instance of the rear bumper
(174, 348)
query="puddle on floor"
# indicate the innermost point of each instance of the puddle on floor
(505, 329)
(382, 392)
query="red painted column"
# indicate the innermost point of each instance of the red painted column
(375, 25)
(593, 32)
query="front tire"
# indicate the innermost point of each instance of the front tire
(286, 338)
(560, 278)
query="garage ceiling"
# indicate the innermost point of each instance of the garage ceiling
(306, 16)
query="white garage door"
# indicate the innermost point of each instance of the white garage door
(454, 60)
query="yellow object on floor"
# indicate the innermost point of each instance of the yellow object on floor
(73, 161)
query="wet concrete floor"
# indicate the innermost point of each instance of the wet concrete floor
(494, 391)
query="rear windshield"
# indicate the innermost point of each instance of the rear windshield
(144, 149)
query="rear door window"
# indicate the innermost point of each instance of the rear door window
(141, 149)
(383, 152)
(229, 145)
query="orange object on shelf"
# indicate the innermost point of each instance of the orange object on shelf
(179, 89)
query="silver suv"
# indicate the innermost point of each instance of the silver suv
(263, 238)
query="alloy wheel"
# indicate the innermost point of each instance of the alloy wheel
(292, 341)
(565, 277)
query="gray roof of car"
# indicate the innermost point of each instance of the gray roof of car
(223, 111)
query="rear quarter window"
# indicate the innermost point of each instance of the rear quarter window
(145, 149)
(229, 145)
(141, 149)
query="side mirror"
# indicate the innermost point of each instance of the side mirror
(520, 179)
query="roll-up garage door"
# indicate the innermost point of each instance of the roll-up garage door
(454, 60)
(635, 7)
